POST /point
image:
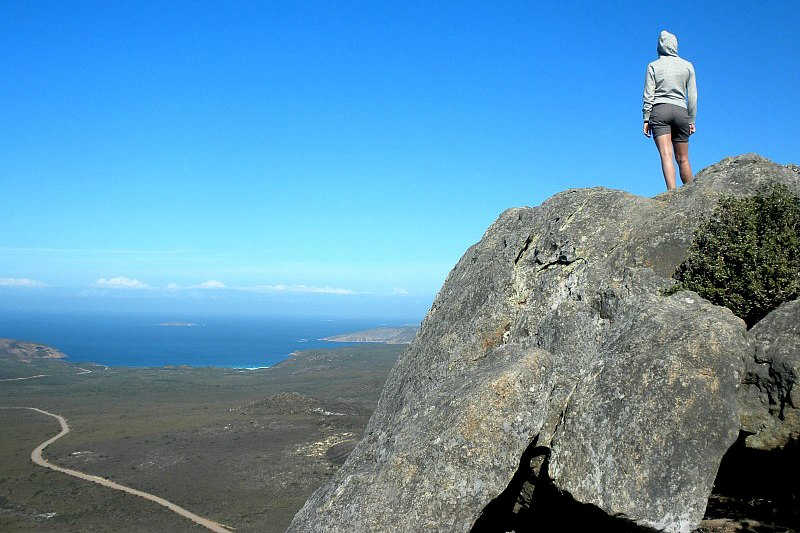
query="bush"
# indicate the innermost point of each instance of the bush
(746, 257)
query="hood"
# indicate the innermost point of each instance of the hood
(667, 44)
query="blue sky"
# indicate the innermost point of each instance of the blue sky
(337, 157)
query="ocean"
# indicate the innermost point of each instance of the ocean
(143, 340)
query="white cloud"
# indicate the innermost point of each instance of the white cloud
(121, 282)
(20, 282)
(210, 284)
(399, 291)
(299, 288)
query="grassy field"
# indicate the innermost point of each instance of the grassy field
(243, 448)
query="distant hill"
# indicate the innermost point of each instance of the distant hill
(399, 335)
(27, 352)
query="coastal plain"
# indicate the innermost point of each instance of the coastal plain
(244, 448)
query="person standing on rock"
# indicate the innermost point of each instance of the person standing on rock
(670, 107)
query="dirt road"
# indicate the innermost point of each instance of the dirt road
(81, 372)
(36, 457)
(20, 379)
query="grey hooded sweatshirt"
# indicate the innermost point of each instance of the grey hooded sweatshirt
(670, 79)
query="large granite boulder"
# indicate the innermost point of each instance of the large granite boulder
(552, 333)
(770, 397)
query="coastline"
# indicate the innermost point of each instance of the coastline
(240, 368)
(158, 340)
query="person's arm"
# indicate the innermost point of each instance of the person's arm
(691, 95)
(649, 90)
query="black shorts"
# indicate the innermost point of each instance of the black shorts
(670, 118)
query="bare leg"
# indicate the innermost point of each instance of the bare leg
(682, 157)
(664, 145)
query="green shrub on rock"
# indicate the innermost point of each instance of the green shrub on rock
(746, 257)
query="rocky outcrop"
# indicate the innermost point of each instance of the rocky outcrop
(550, 358)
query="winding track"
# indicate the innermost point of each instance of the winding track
(82, 372)
(36, 457)
(29, 377)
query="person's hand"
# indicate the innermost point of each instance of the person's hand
(646, 129)
(692, 129)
